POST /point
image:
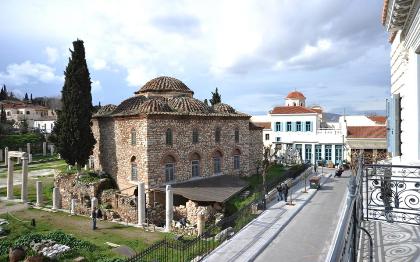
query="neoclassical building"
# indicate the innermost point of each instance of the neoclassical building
(163, 135)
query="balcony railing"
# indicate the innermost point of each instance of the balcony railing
(390, 193)
(329, 131)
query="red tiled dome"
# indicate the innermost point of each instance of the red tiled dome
(188, 104)
(295, 95)
(224, 108)
(164, 84)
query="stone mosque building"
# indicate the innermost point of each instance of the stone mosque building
(163, 135)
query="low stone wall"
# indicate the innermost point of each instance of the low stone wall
(192, 209)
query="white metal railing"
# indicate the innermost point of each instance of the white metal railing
(329, 131)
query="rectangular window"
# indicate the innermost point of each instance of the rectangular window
(289, 126)
(308, 153)
(28, 113)
(236, 162)
(299, 149)
(328, 152)
(133, 172)
(169, 172)
(278, 139)
(217, 165)
(195, 168)
(298, 126)
(236, 135)
(195, 136)
(318, 152)
(338, 154)
(278, 126)
(308, 126)
(267, 136)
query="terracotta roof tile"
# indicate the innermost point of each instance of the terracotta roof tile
(265, 125)
(378, 119)
(295, 95)
(254, 126)
(366, 132)
(292, 110)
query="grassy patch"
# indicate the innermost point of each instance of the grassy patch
(55, 164)
(92, 242)
(47, 188)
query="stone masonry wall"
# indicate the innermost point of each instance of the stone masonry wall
(256, 149)
(183, 148)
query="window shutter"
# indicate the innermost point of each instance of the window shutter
(397, 124)
(281, 126)
(293, 126)
(310, 126)
(390, 125)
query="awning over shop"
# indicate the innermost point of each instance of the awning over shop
(212, 189)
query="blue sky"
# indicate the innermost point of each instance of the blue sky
(335, 52)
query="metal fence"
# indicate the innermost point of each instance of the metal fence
(195, 249)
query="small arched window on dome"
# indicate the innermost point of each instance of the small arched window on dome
(236, 159)
(134, 176)
(133, 137)
(169, 136)
(217, 134)
(237, 135)
(169, 168)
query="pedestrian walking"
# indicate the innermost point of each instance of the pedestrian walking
(94, 216)
(285, 192)
(279, 192)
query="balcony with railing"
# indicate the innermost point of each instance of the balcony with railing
(381, 217)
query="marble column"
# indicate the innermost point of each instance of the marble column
(200, 224)
(141, 204)
(39, 200)
(169, 208)
(56, 198)
(52, 150)
(313, 155)
(86, 167)
(73, 206)
(44, 148)
(30, 158)
(18, 159)
(24, 190)
(90, 162)
(9, 178)
(6, 155)
(28, 148)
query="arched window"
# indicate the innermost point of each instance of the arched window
(195, 165)
(217, 163)
(133, 137)
(236, 159)
(195, 136)
(217, 135)
(134, 176)
(169, 168)
(169, 136)
(236, 135)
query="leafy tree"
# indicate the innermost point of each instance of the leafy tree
(75, 139)
(216, 97)
(23, 126)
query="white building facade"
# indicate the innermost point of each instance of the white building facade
(295, 125)
(402, 20)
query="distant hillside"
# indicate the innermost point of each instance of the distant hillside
(331, 117)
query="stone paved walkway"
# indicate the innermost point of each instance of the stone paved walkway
(252, 239)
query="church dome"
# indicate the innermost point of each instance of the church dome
(164, 84)
(224, 108)
(130, 105)
(155, 105)
(106, 110)
(188, 104)
(295, 95)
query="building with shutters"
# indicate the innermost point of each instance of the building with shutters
(304, 128)
(401, 18)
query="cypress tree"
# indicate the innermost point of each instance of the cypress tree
(75, 139)
(206, 102)
(216, 98)
(3, 117)
(31, 98)
(26, 97)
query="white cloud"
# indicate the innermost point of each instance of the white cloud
(52, 54)
(96, 86)
(99, 64)
(27, 72)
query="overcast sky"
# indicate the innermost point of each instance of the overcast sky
(334, 51)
